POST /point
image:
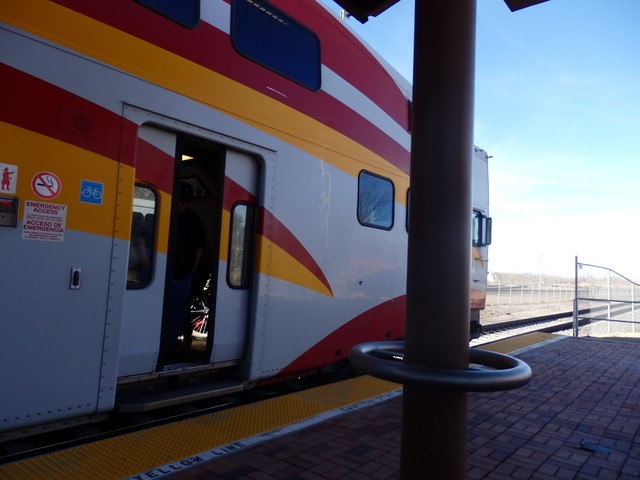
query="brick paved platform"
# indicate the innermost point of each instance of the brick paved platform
(578, 418)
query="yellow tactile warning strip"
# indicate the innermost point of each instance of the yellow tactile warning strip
(179, 445)
(520, 342)
(137, 452)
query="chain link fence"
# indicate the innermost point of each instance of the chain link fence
(604, 302)
(519, 296)
(533, 293)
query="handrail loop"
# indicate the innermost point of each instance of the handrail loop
(383, 360)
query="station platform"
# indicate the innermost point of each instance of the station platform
(578, 418)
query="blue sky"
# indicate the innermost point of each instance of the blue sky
(558, 109)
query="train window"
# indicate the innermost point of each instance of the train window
(239, 258)
(142, 237)
(266, 35)
(375, 201)
(480, 229)
(183, 12)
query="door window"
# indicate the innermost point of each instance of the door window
(142, 237)
(239, 265)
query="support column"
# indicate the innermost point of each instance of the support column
(434, 420)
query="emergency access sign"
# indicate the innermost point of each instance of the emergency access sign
(44, 221)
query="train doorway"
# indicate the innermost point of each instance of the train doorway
(194, 246)
(205, 319)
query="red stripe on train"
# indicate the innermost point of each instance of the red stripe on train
(382, 322)
(41, 107)
(271, 228)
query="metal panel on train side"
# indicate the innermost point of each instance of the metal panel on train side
(324, 269)
(480, 181)
(55, 326)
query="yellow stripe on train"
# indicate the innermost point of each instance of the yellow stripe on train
(276, 262)
(39, 153)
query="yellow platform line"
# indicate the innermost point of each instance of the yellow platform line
(519, 342)
(131, 454)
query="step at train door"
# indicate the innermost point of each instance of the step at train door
(190, 253)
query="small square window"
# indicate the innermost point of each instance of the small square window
(480, 229)
(375, 201)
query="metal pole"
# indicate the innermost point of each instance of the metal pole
(633, 309)
(434, 421)
(575, 299)
(531, 294)
(608, 301)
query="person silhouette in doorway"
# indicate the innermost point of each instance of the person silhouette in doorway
(190, 244)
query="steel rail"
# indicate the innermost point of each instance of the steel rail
(545, 318)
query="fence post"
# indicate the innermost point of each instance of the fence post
(531, 294)
(575, 299)
(633, 308)
(608, 301)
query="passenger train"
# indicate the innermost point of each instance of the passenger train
(294, 137)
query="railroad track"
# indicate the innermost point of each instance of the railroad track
(553, 322)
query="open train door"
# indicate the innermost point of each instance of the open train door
(236, 257)
(222, 185)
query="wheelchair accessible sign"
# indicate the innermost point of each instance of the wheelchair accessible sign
(91, 192)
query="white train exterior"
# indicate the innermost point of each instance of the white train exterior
(297, 147)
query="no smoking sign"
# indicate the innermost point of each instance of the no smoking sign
(46, 185)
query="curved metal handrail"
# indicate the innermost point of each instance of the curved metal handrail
(580, 264)
(382, 360)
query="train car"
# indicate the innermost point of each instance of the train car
(291, 140)
(480, 237)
